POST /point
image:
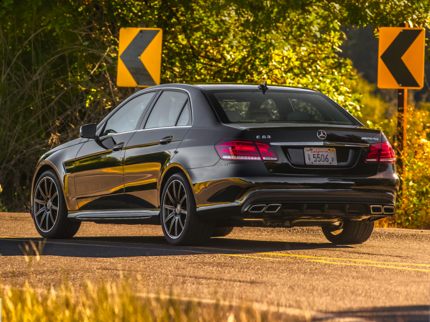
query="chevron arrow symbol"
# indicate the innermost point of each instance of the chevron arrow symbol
(131, 57)
(392, 58)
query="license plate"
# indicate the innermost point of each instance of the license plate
(320, 156)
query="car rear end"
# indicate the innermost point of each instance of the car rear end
(293, 157)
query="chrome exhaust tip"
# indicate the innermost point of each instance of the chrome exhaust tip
(389, 210)
(376, 210)
(257, 209)
(272, 208)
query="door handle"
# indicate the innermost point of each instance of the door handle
(166, 139)
(118, 146)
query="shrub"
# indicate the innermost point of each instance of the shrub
(413, 206)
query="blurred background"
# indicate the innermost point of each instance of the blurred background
(58, 63)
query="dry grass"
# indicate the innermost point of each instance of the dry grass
(118, 302)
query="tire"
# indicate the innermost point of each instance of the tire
(49, 209)
(221, 231)
(352, 232)
(178, 215)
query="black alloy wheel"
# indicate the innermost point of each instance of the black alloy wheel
(179, 219)
(49, 210)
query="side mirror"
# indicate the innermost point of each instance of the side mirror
(88, 131)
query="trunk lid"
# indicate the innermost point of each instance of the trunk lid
(315, 149)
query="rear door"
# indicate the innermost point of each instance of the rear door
(153, 147)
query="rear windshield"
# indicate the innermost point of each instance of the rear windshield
(252, 106)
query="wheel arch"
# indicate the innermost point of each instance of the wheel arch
(167, 173)
(41, 168)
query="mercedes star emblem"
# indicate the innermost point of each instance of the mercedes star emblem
(321, 134)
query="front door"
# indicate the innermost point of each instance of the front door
(97, 172)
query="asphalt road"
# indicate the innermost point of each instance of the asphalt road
(291, 270)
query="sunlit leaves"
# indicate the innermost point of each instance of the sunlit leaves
(58, 58)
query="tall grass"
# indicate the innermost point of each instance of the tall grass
(117, 302)
(43, 99)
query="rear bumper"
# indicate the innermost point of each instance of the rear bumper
(282, 204)
(318, 202)
(228, 190)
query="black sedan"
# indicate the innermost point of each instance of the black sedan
(201, 159)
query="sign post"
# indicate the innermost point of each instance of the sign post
(401, 67)
(402, 110)
(139, 57)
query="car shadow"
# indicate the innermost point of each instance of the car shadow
(126, 246)
(387, 313)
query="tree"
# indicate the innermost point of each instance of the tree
(59, 58)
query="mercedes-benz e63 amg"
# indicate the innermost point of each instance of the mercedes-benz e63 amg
(201, 159)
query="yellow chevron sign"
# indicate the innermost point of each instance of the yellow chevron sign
(139, 57)
(401, 57)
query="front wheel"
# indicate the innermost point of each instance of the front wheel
(49, 209)
(351, 232)
(178, 215)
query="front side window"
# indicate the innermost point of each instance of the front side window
(252, 106)
(167, 109)
(127, 117)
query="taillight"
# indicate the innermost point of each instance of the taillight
(266, 152)
(381, 152)
(246, 150)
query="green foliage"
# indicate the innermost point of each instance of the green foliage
(387, 13)
(58, 59)
(376, 112)
(413, 207)
(301, 56)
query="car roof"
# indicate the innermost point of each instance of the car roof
(249, 87)
(217, 87)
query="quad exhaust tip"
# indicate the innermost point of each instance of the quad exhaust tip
(271, 208)
(257, 209)
(381, 210)
(389, 210)
(376, 210)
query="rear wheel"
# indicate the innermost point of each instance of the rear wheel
(49, 209)
(179, 219)
(351, 232)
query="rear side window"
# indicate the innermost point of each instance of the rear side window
(185, 117)
(167, 109)
(252, 106)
